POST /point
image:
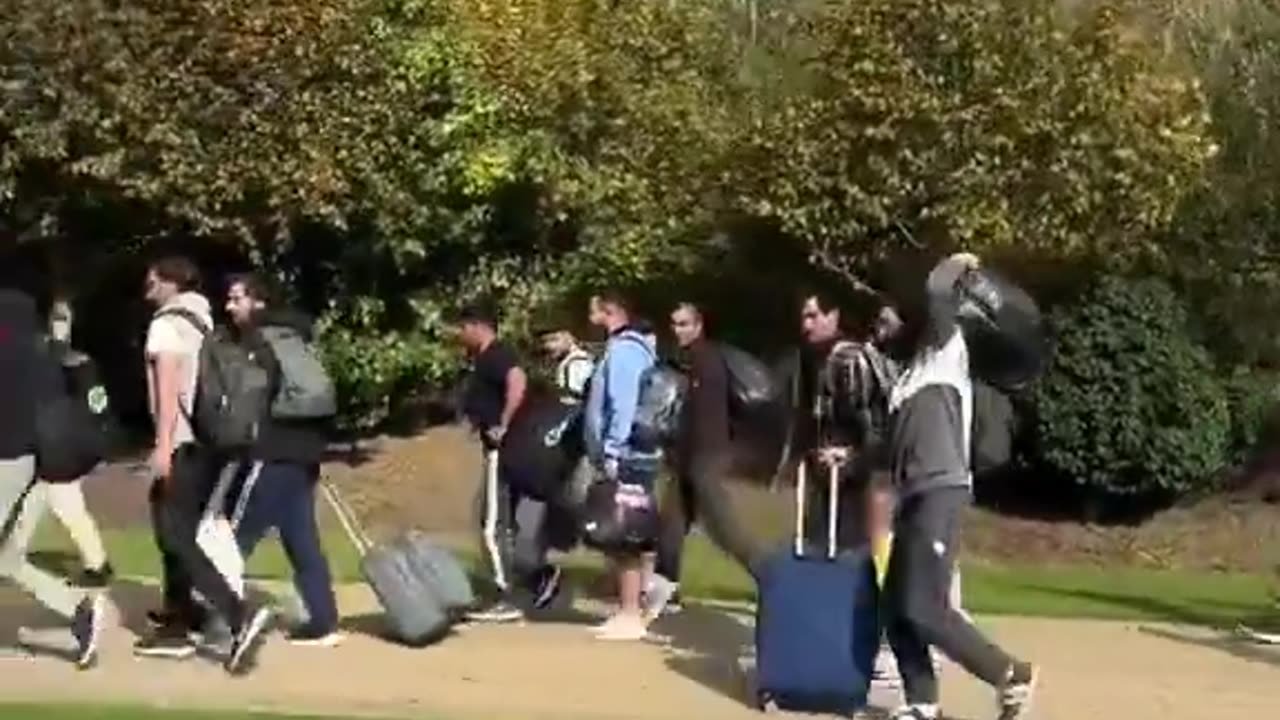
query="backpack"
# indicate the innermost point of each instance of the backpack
(751, 385)
(541, 447)
(994, 425)
(658, 405)
(233, 390)
(71, 421)
(1003, 327)
(306, 391)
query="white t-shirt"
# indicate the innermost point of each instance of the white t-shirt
(573, 373)
(172, 334)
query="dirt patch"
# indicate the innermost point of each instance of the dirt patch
(429, 482)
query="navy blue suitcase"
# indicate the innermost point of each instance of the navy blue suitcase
(817, 629)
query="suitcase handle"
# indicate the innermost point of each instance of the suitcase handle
(833, 498)
(346, 517)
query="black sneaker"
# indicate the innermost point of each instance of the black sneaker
(86, 626)
(169, 619)
(1017, 691)
(499, 612)
(244, 653)
(675, 605)
(97, 577)
(166, 642)
(311, 636)
(547, 587)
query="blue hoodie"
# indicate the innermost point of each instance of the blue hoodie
(615, 394)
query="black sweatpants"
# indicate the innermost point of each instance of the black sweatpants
(176, 509)
(699, 495)
(920, 615)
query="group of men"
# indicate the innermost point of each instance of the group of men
(270, 484)
(891, 411)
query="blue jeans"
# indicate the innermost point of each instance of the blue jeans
(284, 498)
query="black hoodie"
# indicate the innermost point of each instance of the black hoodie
(293, 441)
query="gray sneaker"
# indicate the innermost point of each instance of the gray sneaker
(499, 612)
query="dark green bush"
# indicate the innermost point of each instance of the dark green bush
(1132, 405)
(1254, 396)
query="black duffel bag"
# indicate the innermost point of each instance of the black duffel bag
(1008, 343)
(71, 418)
(542, 447)
(619, 517)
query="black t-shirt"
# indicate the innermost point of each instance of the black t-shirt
(487, 386)
(18, 367)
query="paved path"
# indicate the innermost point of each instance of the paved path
(555, 670)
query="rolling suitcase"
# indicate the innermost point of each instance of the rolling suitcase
(421, 586)
(817, 630)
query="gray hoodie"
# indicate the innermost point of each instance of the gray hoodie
(932, 400)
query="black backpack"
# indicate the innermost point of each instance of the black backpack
(72, 418)
(993, 430)
(541, 447)
(233, 390)
(751, 384)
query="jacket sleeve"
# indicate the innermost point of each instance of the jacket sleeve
(625, 366)
(940, 290)
(710, 400)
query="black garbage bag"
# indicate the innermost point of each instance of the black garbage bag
(1008, 342)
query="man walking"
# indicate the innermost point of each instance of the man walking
(22, 500)
(608, 425)
(701, 454)
(495, 391)
(186, 475)
(275, 488)
(574, 365)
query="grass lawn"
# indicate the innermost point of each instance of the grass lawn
(1219, 599)
(126, 712)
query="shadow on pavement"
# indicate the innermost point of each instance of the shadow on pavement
(1234, 646)
(705, 646)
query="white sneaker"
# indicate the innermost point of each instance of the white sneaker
(657, 595)
(916, 712)
(622, 627)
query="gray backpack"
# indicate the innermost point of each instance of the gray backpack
(306, 390)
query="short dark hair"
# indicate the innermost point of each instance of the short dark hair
(615, 298)
(477, 315)
(692, 307)
(254, 286)
(825, 300)
(178, 270)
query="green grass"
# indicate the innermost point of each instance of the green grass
(126, 712)
(1203, 598)
(133, 553)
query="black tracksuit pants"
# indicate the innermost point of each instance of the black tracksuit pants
(920, 615)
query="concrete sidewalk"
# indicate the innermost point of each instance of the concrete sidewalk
(556, 670)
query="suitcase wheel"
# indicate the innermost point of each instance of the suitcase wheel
(766, 704)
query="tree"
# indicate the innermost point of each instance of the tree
(986, 124)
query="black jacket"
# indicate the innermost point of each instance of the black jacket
(704, 427)
(18, 361)
(295, 441)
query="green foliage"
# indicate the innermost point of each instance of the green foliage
(1254, 396)
(987, 124)
(1227, 236)
(1131, 404)
(374, 367)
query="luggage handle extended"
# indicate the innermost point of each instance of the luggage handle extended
(346, 517)
(833, 500)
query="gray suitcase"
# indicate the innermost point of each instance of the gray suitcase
(421, 587)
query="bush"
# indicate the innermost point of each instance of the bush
(1132, 404)
(374, 368)
(1253, 396)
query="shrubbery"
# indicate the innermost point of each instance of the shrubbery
(1132, 405)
